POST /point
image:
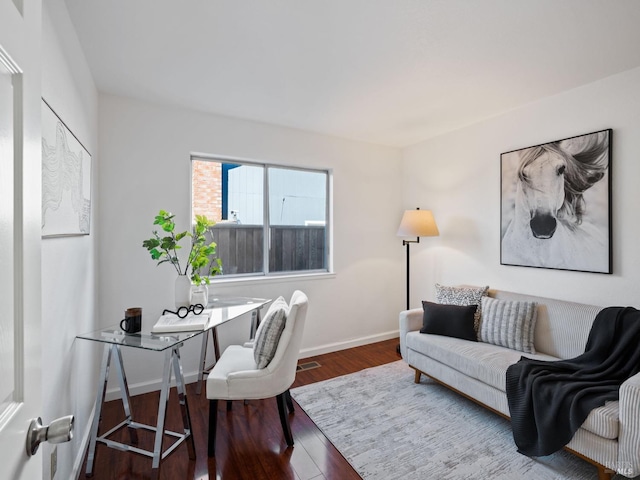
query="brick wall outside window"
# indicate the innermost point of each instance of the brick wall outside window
(207, 189)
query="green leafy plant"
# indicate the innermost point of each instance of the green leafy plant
(164, 247)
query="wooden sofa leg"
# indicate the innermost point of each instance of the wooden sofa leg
(604, 473)
(213, 422)
(284, 418)
(417, 376)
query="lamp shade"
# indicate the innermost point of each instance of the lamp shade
(418, 223)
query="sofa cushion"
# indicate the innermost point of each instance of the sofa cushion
(482, 361)
(462, 295)
(488, 363)
(604, 421)
(449, 320)
(508, 324)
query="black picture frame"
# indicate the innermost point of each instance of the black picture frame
(555, 203)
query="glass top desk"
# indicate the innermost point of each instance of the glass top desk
(222, 310)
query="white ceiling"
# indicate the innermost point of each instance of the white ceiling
(391, 72)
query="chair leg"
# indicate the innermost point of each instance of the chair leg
(284, 418)
(213, 422)
(289, 401)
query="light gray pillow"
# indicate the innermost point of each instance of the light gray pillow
(269, 332)
(508, 324)
(279, 302)
(462, 296)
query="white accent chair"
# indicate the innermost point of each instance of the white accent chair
(235, 375)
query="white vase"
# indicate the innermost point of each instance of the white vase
(183, 291)
(199, 294)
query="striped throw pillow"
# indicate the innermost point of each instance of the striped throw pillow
(508, 324)
(269, 332)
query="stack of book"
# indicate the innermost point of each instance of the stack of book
(173, 323)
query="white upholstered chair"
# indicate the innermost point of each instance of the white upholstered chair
(236, 375)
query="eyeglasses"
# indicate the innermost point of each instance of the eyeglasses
(182, 312)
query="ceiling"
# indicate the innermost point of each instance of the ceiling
(390, 72)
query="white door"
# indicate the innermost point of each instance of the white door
(20, 369)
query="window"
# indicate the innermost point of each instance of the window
(260, 208)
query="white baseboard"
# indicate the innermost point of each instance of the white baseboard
(356, 342)
(189, 377)
(76, 471)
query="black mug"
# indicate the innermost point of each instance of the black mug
(132, 321)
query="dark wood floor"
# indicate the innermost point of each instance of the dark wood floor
(250, 443)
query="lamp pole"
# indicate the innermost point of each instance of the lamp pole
(418, 223)
(407, 243)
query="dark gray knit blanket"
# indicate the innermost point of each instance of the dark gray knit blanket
(550, 400)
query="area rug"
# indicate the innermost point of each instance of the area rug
(388, 427)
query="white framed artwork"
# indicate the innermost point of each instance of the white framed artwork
(66, 179)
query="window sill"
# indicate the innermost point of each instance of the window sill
(284, 278)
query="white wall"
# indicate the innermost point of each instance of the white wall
(144, 166)
(144, 154)
(458, 176)
(69, 288)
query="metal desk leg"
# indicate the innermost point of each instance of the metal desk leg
(162, 414)
(216, 345)
(124, 392)
(102, 388)
(255, 323)
(203, 355)
(203, 359)
(184, 406)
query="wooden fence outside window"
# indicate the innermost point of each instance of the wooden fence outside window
(293, 248)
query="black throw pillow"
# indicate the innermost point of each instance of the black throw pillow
(449, 320)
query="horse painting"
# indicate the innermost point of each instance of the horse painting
(555, 205)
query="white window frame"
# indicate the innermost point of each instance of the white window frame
(266, 274)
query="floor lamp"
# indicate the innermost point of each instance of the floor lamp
(416, 223)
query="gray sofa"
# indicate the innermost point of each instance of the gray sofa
(609, 438)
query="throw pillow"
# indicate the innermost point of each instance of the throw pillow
(508, 324)
(462, 296)
(279, 302)
(269, 333)
(449, 320)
